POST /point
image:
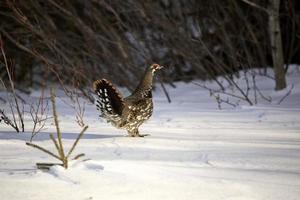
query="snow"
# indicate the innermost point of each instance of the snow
(195, 151)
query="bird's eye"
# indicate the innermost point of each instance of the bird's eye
(155, 66)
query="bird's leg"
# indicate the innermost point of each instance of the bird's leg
(137, 134)
(131, 133)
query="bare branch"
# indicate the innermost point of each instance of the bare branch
(76, 141)
(43, 149)
(226, 93)
(55, 143)
(7, 121)
(286, 95)
(165, 91)
(59, 137)
(12, 88)
(255, 6)
(78, 156)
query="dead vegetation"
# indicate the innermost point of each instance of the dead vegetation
(16, 110)
(116, 39)
(81, 41)
(57, 142)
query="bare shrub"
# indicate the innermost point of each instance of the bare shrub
(61, 156)
(39, 115)
(94, 39)
(76, 101)
(243, 89)
(7, 121)
(17, 113)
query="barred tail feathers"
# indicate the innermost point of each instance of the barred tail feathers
(110, 101)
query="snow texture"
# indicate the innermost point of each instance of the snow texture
(195, 151)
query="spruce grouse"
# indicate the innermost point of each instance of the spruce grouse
(126, 113)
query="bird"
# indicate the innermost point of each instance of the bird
(127, 113)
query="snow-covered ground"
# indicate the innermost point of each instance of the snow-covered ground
(195, 152)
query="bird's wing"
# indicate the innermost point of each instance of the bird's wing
(110, 101)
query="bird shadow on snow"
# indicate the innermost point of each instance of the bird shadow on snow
(45, 136)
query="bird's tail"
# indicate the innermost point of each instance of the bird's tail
(110, 101)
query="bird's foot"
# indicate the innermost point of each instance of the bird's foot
(142, 135)
(138, 135)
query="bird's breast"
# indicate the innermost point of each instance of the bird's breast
(138, 113)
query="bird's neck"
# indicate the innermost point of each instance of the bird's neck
(145, 86)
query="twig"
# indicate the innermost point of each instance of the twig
(78, 156)
(256, 6)
(54, 142)
(38, 116)
(220, 100)
(43, 149)
(79, 111)
(15, 125)
(226, 93)
(254, 87)
(61, 148)
(165, 91)
(76, 141)
(46, 166)
(6, 120)
(12, 85)
(87, 95)
(287, 94)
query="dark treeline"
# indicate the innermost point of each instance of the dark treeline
(78, 41)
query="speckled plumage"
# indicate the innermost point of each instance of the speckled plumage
(126, 113)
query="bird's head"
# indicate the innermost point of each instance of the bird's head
(155, 67)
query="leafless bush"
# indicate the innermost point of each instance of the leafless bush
(76, 104)
(16, 111)
(7, 121)
(234, 93)
(243, 89)
(39, 115)
(116, 39)
(58, 142)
